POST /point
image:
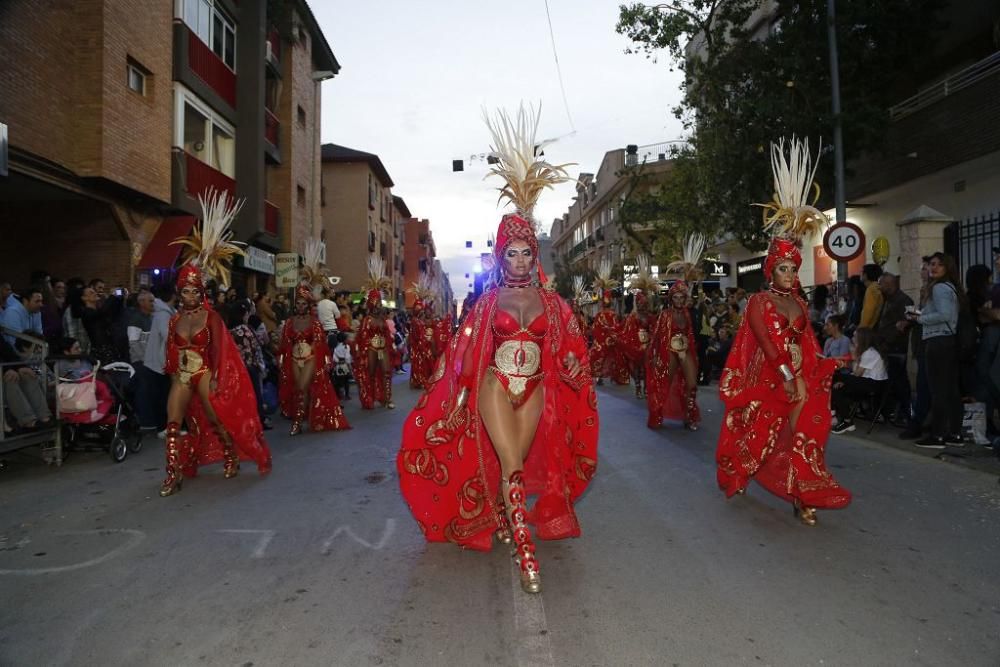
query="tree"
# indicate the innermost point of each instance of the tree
(747, 84)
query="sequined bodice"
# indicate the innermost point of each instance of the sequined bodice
(199, 341)
(304, 336)
(506, 327)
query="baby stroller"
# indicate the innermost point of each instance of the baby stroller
(97, 413)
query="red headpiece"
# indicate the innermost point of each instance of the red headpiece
(190, 276)
(780, 250)
(607, 296)
(304, 291)
(677, 287)
(374, 299)
(418, 304)
(515, 228)
(641, 299)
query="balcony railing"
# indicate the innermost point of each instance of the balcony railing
(273, 48)
(201, 177)
(272, 218)
(210, 68)
(651, 152)
(272, 128)
(946, 87)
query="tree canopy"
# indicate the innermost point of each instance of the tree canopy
(751, 77)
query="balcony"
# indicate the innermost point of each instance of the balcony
(272, 49)
(210, 68)
(272, 218)
(272, 127)
(199, 177)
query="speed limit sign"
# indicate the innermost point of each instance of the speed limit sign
(844, 241)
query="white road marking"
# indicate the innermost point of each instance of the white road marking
(390, 527)
(531, 630)
(265, 539)
(135, 537)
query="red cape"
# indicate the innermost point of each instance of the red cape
(448, 470)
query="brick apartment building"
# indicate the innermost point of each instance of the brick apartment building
(419, 253)
(590, 231)
(162, 101)
(362, 216)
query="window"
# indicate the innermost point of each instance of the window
(300, 195)
(213, 27)
(302, 116)
(203, 134)
(136, 76)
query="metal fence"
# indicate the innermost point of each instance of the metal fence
(971, 241)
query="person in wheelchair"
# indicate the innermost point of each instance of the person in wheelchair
(867, 380)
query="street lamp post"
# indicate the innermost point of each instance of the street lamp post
(838, 138)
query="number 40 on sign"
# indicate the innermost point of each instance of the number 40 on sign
(844, 241)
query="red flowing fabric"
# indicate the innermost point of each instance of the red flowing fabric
(633, 347)
(421, 344)
(607, 359)
(442, 334)
(324, 412)
(234, 402)
(371, 387)
(756, 441)
(449, 473)
(666, 393)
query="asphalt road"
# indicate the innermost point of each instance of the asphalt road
(321, 564)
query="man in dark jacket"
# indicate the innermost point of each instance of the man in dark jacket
(892, 343)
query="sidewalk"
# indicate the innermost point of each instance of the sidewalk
(885, 434)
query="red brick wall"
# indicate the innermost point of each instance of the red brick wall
(65, 96)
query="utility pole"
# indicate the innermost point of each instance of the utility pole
(838, 138)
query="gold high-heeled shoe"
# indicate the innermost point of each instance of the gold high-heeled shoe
(806, 515)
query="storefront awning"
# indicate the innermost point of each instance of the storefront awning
(160, 254)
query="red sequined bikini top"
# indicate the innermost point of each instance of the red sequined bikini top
(198, 342)
(506, 327)
(304, 336)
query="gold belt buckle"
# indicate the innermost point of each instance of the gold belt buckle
(301, 353)
(190, 363)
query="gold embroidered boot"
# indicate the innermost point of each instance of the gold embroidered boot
(531, 578)
(174, 480)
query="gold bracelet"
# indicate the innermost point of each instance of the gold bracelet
(786, 372)
(463, 396)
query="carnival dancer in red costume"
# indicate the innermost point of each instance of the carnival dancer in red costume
(421, 335)
(304, 390)
(373, 368)
(511, 411)
(607, 359)
(672, 361)
(638, 326)
(776, 384)
(210, 388)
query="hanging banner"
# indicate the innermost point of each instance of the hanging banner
(286, 269)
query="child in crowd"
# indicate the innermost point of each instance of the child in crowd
(342, 367)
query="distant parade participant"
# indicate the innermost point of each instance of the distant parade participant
(421, 334)
(672, 362)
(580, 297)
(776, 385)
(210, 387)
(512, 412)
(638, 326)
(607, 356)
(304, 389)
(373, 364)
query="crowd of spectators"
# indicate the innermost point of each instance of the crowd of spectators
(86, 324)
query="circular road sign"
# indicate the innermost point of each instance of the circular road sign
(844, 241)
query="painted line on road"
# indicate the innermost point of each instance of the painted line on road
(390, 528)
(531, 629)
(265, 538)
(135, 537)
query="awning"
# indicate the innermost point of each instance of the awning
(159, 253)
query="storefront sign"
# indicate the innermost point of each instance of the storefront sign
(259, 260)
(749, 266)
(286, 269)
(713, 268)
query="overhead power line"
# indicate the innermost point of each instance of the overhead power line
(555, 54)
